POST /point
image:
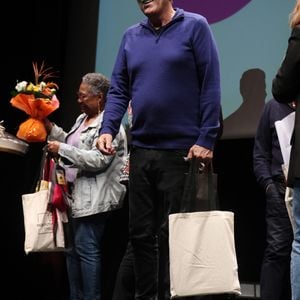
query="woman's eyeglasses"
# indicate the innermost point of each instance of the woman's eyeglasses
(144, 1)
(83, 96)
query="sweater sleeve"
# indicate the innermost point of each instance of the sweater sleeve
(118, 95)
(207, 60)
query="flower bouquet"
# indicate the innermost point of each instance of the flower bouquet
(37, 100)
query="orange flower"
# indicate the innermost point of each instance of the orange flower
(36, 100)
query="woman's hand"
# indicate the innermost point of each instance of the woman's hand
(53, 147)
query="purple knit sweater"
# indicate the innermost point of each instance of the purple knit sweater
(173, 79)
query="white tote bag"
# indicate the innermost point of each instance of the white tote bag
(202, 254)
(288, 199)
(41, 235)
(201, 240)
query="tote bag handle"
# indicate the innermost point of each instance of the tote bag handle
(200, 190)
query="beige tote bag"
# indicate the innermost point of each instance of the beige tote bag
(40, 233)
(202, 254)
(46, 224)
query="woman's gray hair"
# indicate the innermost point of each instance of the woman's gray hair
(98, 83)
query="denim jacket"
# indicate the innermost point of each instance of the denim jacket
(96, 188)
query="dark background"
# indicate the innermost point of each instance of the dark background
(62, 33)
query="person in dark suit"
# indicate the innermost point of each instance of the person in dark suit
(286, 88)
(267, 166)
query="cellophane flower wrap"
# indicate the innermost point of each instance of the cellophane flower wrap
(37, 100)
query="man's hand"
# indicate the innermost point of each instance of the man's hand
(203, 154)
(104, 144)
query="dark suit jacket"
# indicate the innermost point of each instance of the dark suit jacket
(286, 88)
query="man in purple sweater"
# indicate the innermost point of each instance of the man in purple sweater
(168, 66)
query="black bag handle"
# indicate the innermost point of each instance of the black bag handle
(200, 190)
(45, 165)
(39, 176)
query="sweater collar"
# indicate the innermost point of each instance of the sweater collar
(179, 14)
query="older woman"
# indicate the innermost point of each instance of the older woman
(94, 182)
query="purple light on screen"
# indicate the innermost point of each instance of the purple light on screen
(213, 10)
